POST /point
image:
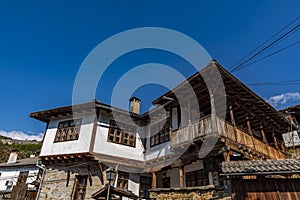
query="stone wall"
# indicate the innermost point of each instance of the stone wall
(195, 193)
(55, 179)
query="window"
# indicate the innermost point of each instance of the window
(196, 178)
(160, 134)
(145, 186)
(125, 134)
(166, 182)
(68, 130)
(9, 184)
(123, 180)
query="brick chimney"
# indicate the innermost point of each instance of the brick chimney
(135, 104)
(13, 157)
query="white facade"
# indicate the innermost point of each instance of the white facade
(8, 178)
(81, 145)
(102, 146)
(157, 151)
(99, 144)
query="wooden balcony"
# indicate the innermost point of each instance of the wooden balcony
(236, 136)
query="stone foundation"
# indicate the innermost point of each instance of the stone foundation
(55, 180)
(193, 193)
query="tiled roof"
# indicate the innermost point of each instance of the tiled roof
(21, 162)
(296, 107)
(261, 167)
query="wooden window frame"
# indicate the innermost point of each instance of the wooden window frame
(126, 135)
(160, 137)
(196, 178)
(145, 186)
(68, 130)
(123, 179)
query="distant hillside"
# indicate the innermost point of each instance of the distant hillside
(25, 148)
(3, 137)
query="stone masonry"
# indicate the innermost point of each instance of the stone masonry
(194, 193)
(55, 180)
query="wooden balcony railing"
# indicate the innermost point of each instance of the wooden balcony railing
(226, 130)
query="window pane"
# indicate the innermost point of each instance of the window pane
(66, 131)
(121, 133)
(72, 123)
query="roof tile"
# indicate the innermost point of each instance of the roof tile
(261, 166)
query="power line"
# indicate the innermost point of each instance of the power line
(287, 82)
(240, 66)
(273, 36)
(271, 54)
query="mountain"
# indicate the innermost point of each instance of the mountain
(25, 148)
(4, 137)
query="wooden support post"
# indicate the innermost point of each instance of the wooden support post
(275, 141)
(189, 111)
(233, 122)
(250, 131)
(264, 139)
(90, 175)
(263, 134)
(282, 147)
(154, 180)
(213, 114)
(170, 127)
(226, 155)
(68, 176)
(181, 176)
(101, 172)
(210, 178)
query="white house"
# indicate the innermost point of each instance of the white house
(82, 142)
(14, 170)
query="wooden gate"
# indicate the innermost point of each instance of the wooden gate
(265, 189)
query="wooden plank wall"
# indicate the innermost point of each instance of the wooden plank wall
(266, 189)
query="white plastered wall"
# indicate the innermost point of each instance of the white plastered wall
(102, 146)
(12, 175)
(81, 145)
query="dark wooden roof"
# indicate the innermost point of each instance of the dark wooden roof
(256, 167)
(291, 108)
(243, 100)
(65, 111)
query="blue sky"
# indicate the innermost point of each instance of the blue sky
(43, 43)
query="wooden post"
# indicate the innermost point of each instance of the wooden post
(263, 134)
(233, 122)
(264, 139)
(250, 131)
(108, 191)
(282, 147)
(275, 141)
(181, 176)
(101, 172)
(189, 111)
(226, 155)
(154, 180)
(213, 114)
